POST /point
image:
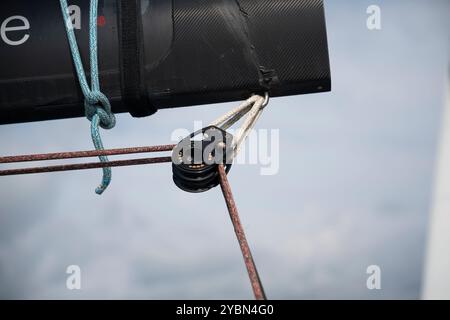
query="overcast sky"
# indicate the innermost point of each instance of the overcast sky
(353, 190)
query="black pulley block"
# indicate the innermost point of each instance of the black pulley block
(195, 159)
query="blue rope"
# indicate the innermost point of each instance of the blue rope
(96, 104)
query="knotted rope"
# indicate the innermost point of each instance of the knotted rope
(96, 104)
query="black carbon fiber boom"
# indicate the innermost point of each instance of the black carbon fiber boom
(188, 52)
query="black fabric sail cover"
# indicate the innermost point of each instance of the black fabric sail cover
(156, 54)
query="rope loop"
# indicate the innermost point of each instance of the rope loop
(252, 108)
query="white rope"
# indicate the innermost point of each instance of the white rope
(253, 108)
(233, 116)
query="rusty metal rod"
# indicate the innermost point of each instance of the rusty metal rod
(84, 166)
(84, 154)
(255, 281)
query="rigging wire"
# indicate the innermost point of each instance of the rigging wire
(85, 154)
(255, 280)
(84, 166)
